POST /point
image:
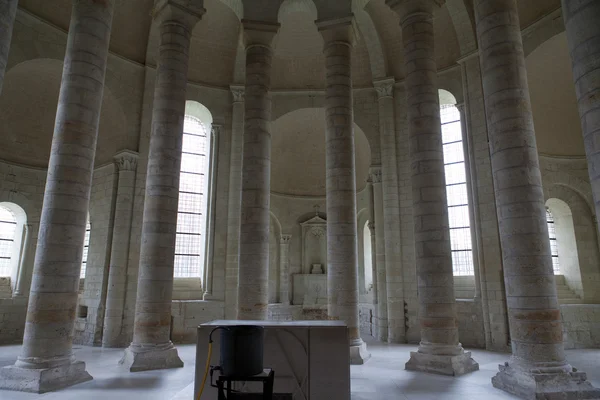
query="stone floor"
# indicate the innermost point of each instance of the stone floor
(383, 377)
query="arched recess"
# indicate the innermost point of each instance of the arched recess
(577, 240)
(464, 25)
(14, 239)
(365, 253)
(274, 261)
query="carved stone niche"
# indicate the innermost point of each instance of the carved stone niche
(314, 245)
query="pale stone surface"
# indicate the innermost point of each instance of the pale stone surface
(342, 247)
(378, 234)
(537, 368)
(8, 11)
(437, 305)
(151, 347)
(46, 361)
(253, 290)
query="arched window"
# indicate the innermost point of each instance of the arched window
(368, 257)
(8, 225)
(456, 191)
(553, 243)
(193, 189)
(86, 247)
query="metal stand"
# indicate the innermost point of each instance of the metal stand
(225, 392)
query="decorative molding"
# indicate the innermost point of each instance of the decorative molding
(238, 92)
(215, 131)
(375, 175)
(285, 239)
(371, 226)
(384, 87)
(461, 108)
(317, 232)
(126, 160)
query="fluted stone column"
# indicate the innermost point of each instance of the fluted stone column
(537, 368)
(583, 35)
(112, 334)
(379, 250)
(47, 362)
(439, 350)
(284, 269)
(8, 12)
(253, 285)
(391, 213)
(235, 198)
(342, 247)
(151, 347)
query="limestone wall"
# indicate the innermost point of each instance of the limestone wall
(581, 325)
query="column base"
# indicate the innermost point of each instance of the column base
(542, 386)
(443, 364)
(359, 353)
(148, 357)
(43, 380)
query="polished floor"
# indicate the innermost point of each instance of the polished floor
(383, 377)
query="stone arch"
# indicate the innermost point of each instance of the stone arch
(464, 25)
(20, 239)
(236, 6)
(377, 57)
(540, 32)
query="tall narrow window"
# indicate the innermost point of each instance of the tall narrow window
(456, 191)
(193, 187)
(553, 243)
(368, 257)
(8, 224)
(86, 247)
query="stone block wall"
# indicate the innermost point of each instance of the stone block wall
(470, 323)
(186, 315)
(581, 325)
(12, 319)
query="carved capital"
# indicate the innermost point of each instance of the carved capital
(215, 131)
(126, 160)
(339, 30)
(384, 87)
(375, 175)
(371, 226)
(461, 108)
(285, 239)
(408, 9)
(259, 33)
(238, 92)
(185, 12)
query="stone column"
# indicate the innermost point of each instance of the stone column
(233, 212)
(284, 269)
(112, 335)
(342, 249)
(19, 289)
(210, 212)
(583, 35)
(253, 285)
(8, 12)
(47, 362)
(439, 350)
(391, 213)
(151, 347)
(379, 250)
(537, 368)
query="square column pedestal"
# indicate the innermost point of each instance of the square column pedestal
(146, 358)
(42, 380)
(440, 360)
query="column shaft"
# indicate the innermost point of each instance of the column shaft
(284, 269)
(380, 259)
(583, 35)
(253, 285)
(533, 311)
(151, 347)
(112, 335)
(46, 361)
(8, 12)
(342, 246)
(207, 285)
(440, 350)
(235, 198)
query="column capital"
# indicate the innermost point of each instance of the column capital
(126, 160)
(259, 33)
(371, 226)
(285, 239)
(338, 30)
(186, 12)
(409, 8)
(375, 174)
(238, 92)
(460, 107)
(215, 130)
(384, 87)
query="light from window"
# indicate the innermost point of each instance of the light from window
(553, 243)
(86, 247)
(456, 192)
(8, 224)
(191, 214)
(368, 257)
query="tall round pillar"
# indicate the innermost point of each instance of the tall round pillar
(47, 362)
(380, 275)
(537, 367)
(112, 330)
(583, 36)
(440, 350)
(8, 12)
(253, 284)
(151, 347)
(342, 246)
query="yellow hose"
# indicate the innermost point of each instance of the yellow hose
(205, 370)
